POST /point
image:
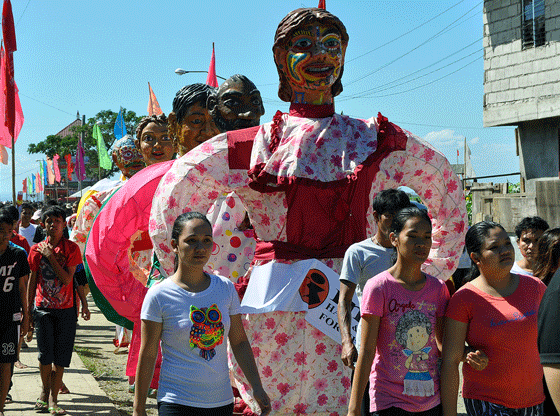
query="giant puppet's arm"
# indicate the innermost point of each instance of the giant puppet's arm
(427, 171)
(84, 221)
(192, 184)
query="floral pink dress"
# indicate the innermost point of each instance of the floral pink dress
(307, 180)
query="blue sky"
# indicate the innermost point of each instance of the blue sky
(418, 62)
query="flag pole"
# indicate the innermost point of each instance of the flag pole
(83, 137)
(14, 170)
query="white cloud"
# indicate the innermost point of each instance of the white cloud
(443, 138)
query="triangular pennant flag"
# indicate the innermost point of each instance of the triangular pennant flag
(104, 159)
(153, 105)
(212, 80)
(120, 127)
(321, 4)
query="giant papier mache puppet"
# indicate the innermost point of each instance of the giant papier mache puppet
(307, 180)
(118, 251)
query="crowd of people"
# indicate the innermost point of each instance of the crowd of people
(247, 227)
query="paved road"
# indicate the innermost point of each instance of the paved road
(86, 397)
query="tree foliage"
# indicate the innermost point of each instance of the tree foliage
(54, 144)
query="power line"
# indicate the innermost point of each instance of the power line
(406, 33)
(23, 12)
(387, 86)
(48, 105)
(428, 83)
(444, 30)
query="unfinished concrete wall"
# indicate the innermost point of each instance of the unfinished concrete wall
(490, 203)
(519, 84)
(538, 148)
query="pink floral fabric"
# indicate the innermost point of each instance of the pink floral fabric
(300, 366)
(87, 215)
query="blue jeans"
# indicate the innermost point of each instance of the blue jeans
(173, 409)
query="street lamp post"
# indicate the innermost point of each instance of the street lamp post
(181, 71)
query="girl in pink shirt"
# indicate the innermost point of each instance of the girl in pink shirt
(402, 311)
(497, 313)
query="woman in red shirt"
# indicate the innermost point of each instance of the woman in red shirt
(495, 312)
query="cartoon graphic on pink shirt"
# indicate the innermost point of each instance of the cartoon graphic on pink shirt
(413, 333)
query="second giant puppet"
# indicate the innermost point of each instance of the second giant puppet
(307, 180)
(113, 253)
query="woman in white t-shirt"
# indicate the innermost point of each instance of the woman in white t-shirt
(192, 312)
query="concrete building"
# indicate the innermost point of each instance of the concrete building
(522, 79)
(522, 89)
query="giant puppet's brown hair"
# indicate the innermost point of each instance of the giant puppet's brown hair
(293, 21)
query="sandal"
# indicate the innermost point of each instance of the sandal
(41, 406)
(63, 389)
(55, 410)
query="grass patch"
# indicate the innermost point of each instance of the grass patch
(94, 362)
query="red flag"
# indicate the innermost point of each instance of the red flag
(5, 135)
(153, 105)
(56, 168)
(69, 166)
(9, 34)
(321, 4)
(25, 185)
(212, 80)
(457, 152)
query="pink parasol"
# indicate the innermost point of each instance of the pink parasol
(123, 216)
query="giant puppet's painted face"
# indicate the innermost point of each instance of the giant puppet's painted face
(126, 156)
(314, 57)
(236, 105)
(154, 143)
(309, 49)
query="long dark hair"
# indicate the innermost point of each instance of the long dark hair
(179, 225)
(548, 255)
(400, 219)
(474, 239)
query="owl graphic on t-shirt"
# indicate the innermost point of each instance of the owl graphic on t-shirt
(207, 330)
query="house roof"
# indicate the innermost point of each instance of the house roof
(67, 131)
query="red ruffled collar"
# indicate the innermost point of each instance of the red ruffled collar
(311, 111)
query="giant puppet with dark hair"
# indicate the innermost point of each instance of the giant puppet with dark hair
(307, 180)
(119, 258)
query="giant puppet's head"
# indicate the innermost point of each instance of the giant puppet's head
(153, 141)
(126, 156)
(309, 47)
(190, 123)
(237, 104)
